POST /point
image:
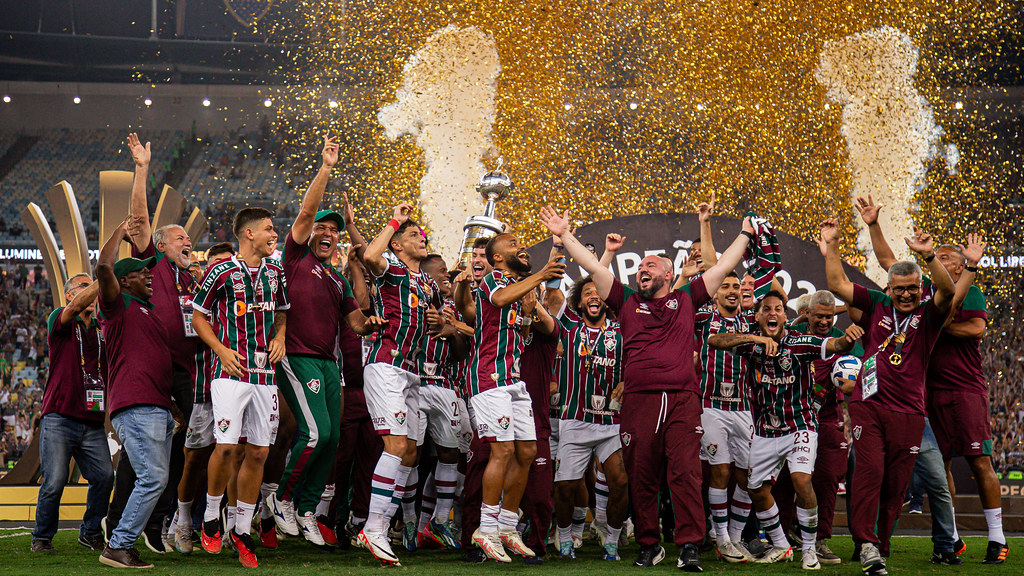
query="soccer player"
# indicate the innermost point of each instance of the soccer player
(832, 457)
(404, 295)
(785, 421)
(505, 309)
(308, 377)
(199, 434)
(660, 421)
(590, 370)
(138, 390)
(888, 405)
(239, 312)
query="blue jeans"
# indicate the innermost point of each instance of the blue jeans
(61, 439)
(145, 433)
(930, 475)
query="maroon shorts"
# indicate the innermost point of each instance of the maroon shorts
(961, 422)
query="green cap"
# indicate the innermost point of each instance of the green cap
(331, 215)
(126, 266)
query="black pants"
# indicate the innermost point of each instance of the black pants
(124, 476)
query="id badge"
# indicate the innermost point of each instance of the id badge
(869, 382)
(94, 400)
(186, 316)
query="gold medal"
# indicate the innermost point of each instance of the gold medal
(896, 359)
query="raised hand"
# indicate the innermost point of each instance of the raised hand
(705, 209)
(747, 226)
(465, 276)
(613, 242)
(403, 212)
(921, 242)
(974, 249)
(350, 214)
(330, 152)
(868, 209)
(556, 223)
(140, 154)
(133, 226)
(829, 231)
(853, 333)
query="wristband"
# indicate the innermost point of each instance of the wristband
(748, 235)
(928, 259)
(394, 224)
(525, 320)
(971, 268)
(558, 246)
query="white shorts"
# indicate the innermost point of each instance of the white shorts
(726, 438)
(768, 455)
(554, 439)
(200, 426)
(244, 409)
(439, 416)
(504, 414)
(465, 427)
(580, 441)
(392, 399)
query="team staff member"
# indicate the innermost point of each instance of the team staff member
(73, 415)
(660, 426)
(888, 405)
(245, 301)
(138, 391)
(175, 280)
(308, 376)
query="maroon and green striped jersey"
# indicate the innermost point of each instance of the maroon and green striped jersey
(437, 365)
(205, 359)
(241, 302)
(590, 369)
(499, 341)
(723, 373)
(781, 385)
(402, 299)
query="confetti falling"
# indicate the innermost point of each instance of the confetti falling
(609, 108)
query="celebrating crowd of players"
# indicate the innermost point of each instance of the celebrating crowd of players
(515, 386)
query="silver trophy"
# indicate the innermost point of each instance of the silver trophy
(494, 187)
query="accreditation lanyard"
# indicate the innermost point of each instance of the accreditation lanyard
(81, 352)
(590, 348)
(899, 335)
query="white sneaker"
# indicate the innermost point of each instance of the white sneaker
(310, 530)
(577, 542)
(514, 542)
(870, 559)
(491, 544)
(379, 546)
(729, 552)
(776, 554)
(183, 538)
(284, 515)
(810, 560)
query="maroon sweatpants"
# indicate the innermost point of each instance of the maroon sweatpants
(661, 434)
(473, 488)
(358, 452)
(539, 499)
(886, 443)
(829, 471)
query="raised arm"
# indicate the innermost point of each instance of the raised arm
(357, 278)
(558, 225)
(844, 343)
(354, 235)
(80, 302)
(464, 296)
(707, 245)
(972, 327)
(612, 244)
(869, 214)
(838, 282)
(513, 292)
(730, 258)
(941, 281)
(303, 225)
(138, 206)
(109, 287)
(374, 255)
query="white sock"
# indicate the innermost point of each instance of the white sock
(232, 513)
(807, 519)
(212, 508)
(719, 500)
(173, 524)
(324, 505)
(739, 511)
(956, 533)
(445, 482)
(579, 517)
(507, 520)
(613, 535)
(266, 489)
(243, 517)
(412, 482)
(771, 524)
(994, 519)
(383, 490)
(600, 498)
(460, 481)
(184, 511)
(565, 534)
(428, 501)
(489, 518)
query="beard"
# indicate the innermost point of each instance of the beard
(594, 317)
(656, 284)
(518, 266)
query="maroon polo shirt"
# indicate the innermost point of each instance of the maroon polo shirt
(137, 352)
(65, 393)
(170, 285)
(536, 366)
(320, 298)
(657, 337)
(900, 388)
(956, 362)
(350, 345)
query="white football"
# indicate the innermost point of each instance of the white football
(846, 368)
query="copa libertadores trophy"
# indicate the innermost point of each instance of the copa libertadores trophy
(494, 187)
